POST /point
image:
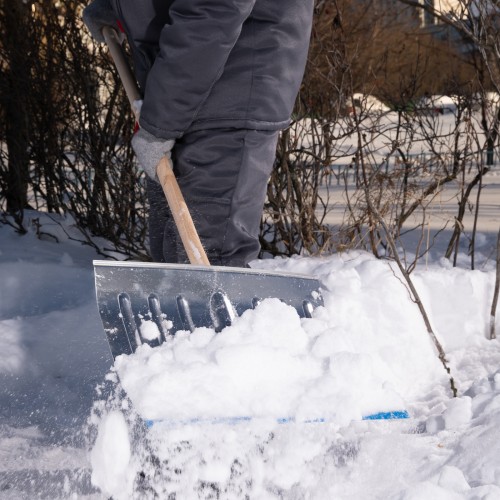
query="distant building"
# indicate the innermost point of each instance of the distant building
(427, 19)
(454, 9)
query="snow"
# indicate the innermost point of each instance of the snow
(271, 407)
(111, 454)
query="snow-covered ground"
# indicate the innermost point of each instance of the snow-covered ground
(67, 431)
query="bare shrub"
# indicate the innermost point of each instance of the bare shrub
(67, 134)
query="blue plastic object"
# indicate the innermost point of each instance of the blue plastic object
(389, 415)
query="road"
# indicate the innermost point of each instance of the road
(444, 206)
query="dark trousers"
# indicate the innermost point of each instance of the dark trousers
(223, 175)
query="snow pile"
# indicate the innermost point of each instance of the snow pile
(268, 364)
(467, 434)
(112, 452)
(339, 366)
(365, 351)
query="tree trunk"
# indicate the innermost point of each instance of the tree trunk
(16, 110)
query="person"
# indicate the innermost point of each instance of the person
(219, 79)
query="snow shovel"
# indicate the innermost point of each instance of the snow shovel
(144, 303)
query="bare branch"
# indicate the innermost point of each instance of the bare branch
(495, 293)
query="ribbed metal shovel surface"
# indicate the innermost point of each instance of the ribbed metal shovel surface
(145, 302)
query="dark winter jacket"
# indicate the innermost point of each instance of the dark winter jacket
(217, 63)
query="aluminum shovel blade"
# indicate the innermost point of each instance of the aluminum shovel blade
(145, 302)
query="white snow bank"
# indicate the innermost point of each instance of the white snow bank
(54, 353)
(365, 351)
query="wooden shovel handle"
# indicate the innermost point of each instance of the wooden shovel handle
(180, 212)
(124, 71)
(182, 217)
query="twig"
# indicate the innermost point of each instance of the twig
(414, 294)
(476, 217)
(495, 293)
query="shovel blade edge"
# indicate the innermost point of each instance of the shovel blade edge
(145, 302)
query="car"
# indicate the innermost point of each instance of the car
(366, 103)
(438, 104)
